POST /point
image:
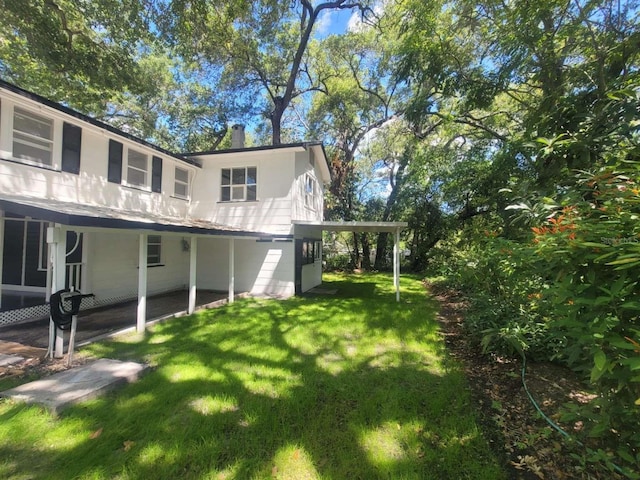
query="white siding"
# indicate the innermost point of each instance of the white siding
(301, 210)
(113, 265)
(212, 272)
(311, 275)
(270, 213)
(261, 268)
(90, 186)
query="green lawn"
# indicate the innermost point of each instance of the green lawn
(349, 386)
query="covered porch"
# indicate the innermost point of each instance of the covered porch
(103, 321)
(115, 265)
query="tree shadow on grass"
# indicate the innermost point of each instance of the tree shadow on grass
(276, 390)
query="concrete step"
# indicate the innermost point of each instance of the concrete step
(77, 384)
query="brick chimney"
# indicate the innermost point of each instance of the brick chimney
(237, 136)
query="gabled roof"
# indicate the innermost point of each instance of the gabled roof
(85, 118)
(317, 147)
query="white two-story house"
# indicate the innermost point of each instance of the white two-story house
(86, 205)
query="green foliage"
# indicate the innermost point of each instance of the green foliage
(339, 262)
(569, 293)
(69, 50)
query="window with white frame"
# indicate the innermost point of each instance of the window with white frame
(154, 250)
(309, 191)
(32, 137)
(181, 185)
(239, 184)
(311, 251)
(137, 168)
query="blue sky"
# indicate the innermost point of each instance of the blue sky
(333, 22)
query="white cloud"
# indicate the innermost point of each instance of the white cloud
(355, 23)
(323, 25)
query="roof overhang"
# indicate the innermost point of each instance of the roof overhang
(93, 216)
(354, 226)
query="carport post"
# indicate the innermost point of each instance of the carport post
(232, 273)
(141, 318)
(193, 256)
(396, 263)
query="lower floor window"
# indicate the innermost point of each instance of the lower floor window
(311, 251)
(154, 250)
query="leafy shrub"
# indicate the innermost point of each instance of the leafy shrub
(570, 292)
(340, 262)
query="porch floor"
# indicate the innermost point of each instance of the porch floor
(104, 320)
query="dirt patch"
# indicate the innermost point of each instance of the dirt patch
(33, 365)
(529, 446)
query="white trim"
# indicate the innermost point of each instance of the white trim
(186, 184)
(146, 185)
(193, 262)
(141, 316)
(1, 250)
(232, 274)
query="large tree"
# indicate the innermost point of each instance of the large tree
(362, 97)
(257, 52)
(73, 51)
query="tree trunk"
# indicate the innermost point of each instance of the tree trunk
(355, 254)
(396, 181)
(381, 251)
(276, 120)
(366, 251)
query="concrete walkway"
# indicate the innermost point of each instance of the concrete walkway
(77, 384)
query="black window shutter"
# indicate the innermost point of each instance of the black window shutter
(115, 162)
(71, 144)
(156, 175)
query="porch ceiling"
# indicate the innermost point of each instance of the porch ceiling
(354, 226)
(78, 215)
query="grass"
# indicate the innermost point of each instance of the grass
(345, 386)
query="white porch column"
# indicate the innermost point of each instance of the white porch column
(232, 273)
(193, 257)
(1, 250)
(141, 318)
(57, 240)
(396, 263)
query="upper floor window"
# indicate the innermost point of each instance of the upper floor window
(137, 168)
(32, 137)
(309, 191)
(181, 186)
(239, 184)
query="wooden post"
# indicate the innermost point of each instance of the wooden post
(232, 275)
(141, 318)
(193, 261)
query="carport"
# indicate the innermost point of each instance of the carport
(372, 227)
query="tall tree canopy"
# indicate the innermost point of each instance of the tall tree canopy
(257, 52)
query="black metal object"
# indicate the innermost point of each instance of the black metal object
(64, 304)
